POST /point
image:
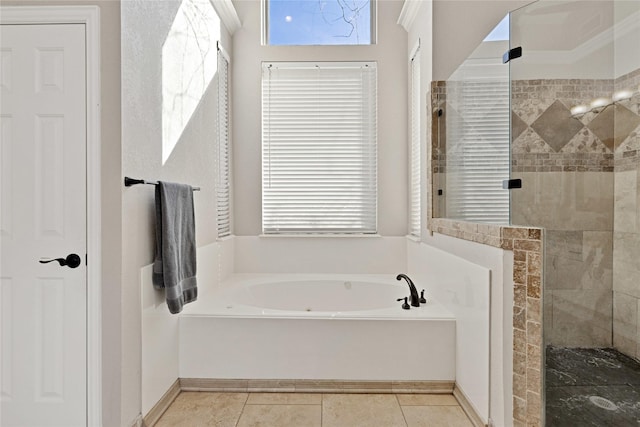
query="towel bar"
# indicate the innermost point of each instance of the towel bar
(128, 182)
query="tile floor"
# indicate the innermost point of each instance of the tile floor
(195, 409)
(578, 378)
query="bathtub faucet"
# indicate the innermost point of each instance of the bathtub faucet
(415, 299)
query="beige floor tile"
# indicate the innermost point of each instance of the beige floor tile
(199, 409)
(193, 419)
(427, 400)
(280, 416)
(361, 410)
(435, 416)
(284, 399)
(193, 399)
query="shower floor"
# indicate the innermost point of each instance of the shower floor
(582, 382)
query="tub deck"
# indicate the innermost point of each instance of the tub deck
(225, 339)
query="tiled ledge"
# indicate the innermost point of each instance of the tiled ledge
(526, 244)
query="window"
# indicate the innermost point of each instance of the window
(478, 150)
(415, 211)
(319, 148)
(223, 187)
(326, 22)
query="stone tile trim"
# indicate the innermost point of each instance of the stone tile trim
(315, 386)
(162, 405)
(629, 80)
(467, 407)
(526, 244)
(627, 160)
(562, 162)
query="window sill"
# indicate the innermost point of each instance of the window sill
(310, 235)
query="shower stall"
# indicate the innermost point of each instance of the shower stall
(551, 139)
(575, 123)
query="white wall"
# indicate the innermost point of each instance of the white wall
(145, 27)
(500, 263)
(389, 52)
(421, 31)
(160, 332)
(460, 26)
(350, 255)
(627, 34)
(464, 289)
(551, 51)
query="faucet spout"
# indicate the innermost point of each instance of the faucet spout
(415, 299)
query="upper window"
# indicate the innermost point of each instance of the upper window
(321, 22)
(319, 148)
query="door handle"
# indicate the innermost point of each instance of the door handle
(71, 261)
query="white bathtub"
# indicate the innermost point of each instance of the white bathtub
(341, 327)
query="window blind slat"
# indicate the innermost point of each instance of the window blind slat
(223, 187)
(415, 166)
(319, 153)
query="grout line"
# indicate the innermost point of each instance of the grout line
(244, 405)
(401, 410)
(283, 404)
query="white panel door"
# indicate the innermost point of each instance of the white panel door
(43, 216)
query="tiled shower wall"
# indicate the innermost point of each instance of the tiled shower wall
(566, 165)
(626, 246)
(580, 182)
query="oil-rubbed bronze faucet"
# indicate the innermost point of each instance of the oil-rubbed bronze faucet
(415, 299)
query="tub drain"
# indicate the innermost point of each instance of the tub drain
(603, 403)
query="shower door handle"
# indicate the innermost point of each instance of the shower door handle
(509, 184)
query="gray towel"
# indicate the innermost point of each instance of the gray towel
(174, 267)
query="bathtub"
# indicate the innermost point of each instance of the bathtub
(322, 327)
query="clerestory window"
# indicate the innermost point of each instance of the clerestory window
(319, 155)
(319, 22)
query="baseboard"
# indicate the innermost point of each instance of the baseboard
(315, 386)
(467, 407)
(137, 422)
(163, 404)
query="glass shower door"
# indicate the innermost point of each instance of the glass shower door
(571, 130)
(474, 150)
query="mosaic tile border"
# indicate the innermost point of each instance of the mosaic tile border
(531, 98)
(627, 160)
(526, 244)
(562, 162)
(627, 156)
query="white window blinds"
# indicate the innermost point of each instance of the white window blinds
(319, 148)
(414, 195)
(478, 151)
(223, 185)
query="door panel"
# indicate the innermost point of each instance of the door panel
(43, 160)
